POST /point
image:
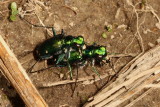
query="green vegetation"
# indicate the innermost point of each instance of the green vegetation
(14, 11)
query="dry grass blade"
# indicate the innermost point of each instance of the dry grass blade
(90, 80)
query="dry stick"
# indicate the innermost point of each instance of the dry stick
(153, 12)
(105, 94)
(122, 55)
(151, 86)
(15, 73)
(70, 9)
(90, 78)
(139, 98)
(145, 62)
(146, 59)
(131, 93)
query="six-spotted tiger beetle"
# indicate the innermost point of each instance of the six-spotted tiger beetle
(70, 51)
(67, 50)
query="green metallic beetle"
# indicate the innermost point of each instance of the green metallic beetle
(53, 46)
(93, 54)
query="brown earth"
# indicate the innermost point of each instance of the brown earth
(78, 17)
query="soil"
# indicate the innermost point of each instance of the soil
(88, 18)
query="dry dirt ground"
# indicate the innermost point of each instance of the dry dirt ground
(134, 27)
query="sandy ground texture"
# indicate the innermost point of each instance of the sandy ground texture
(123, 26)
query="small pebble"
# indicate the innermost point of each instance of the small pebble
(117, 13)
(151, 44)
(158, 40)
(57, 26)
(122, 26)
(75, 8)
(61, 75)
(108, 45)
(158, 25)
(146, 31)
(112, 36)
(71, 24)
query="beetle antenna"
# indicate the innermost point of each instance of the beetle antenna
(62, 32)
(37, 25)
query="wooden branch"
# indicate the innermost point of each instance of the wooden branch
(14, 72)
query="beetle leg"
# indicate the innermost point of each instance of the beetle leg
(75, 81)
(70, 70)
(60, 58)
(54, 32)
(95, 70)
(30, 69)
(93, 67)
(62, 32)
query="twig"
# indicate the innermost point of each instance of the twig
(90, 78)
(122, 55)
(137, 24)
(139, 98)
(131, 93)
(137, 32)
(15, 73)
(153, 12)
(152, 86)
(70, 9)
(105, 94)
